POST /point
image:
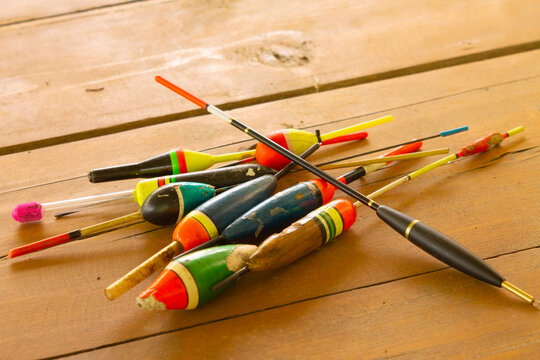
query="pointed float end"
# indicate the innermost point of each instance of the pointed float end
(26, 212)
(169, 85)
(515, 131)
(520, 293)
(112, 293)
(454, 131)
(150, 303)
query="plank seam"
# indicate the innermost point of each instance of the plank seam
(415, 69)
(273, 307)
(68, 13)
(334, 122)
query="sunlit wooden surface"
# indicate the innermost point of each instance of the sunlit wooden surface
(77, 93)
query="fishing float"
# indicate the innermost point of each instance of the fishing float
(295, 140)
(285, 207)
(219, 178)
(481, 145)
(282, 249)
(271, 215)
(386, 159)
(425, 237)
(298, 141)
(167, 205)
(163, 207)
(174, 162)
(441, 134)
(198, 272)
(173, 290)
(204, 222)
(181, 161)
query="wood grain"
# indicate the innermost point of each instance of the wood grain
(489, 203)
(356, 104)
(282, 249)
(105, 82)
(20, 11)
(405, 319)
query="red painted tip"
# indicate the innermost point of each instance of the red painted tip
(361, 135)
(167, 291)
(404, 149)
(39, 245)
(181, 92)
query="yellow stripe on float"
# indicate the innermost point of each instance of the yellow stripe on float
(338, 222)
(206, 222)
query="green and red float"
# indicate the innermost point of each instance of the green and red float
(186, 282)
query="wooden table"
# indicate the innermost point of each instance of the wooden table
(77, 93)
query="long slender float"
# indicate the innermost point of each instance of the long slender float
(441, 134)
(428, 239)
(219, 178)
(382, 160)
(212, 272)
(285, 207)
(481, 145)
(163, 207)
(204, 222)
(322, 225)
(271, 215)
(174, 162)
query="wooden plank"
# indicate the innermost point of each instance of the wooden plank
(103, 68)
(15, 12)
(359, 103)
(64, 286)
(440, 315)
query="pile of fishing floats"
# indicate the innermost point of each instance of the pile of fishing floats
(229, 221)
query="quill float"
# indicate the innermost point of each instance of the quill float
(302, 238)
(221, 177)
(271, 215)
(428, 239)
(181, 161)
(203, 223)
(168, 204)
(283, 208)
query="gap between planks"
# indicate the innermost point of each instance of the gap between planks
(68, 13)
(276, 307)
(410, 70)
(327, 123)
